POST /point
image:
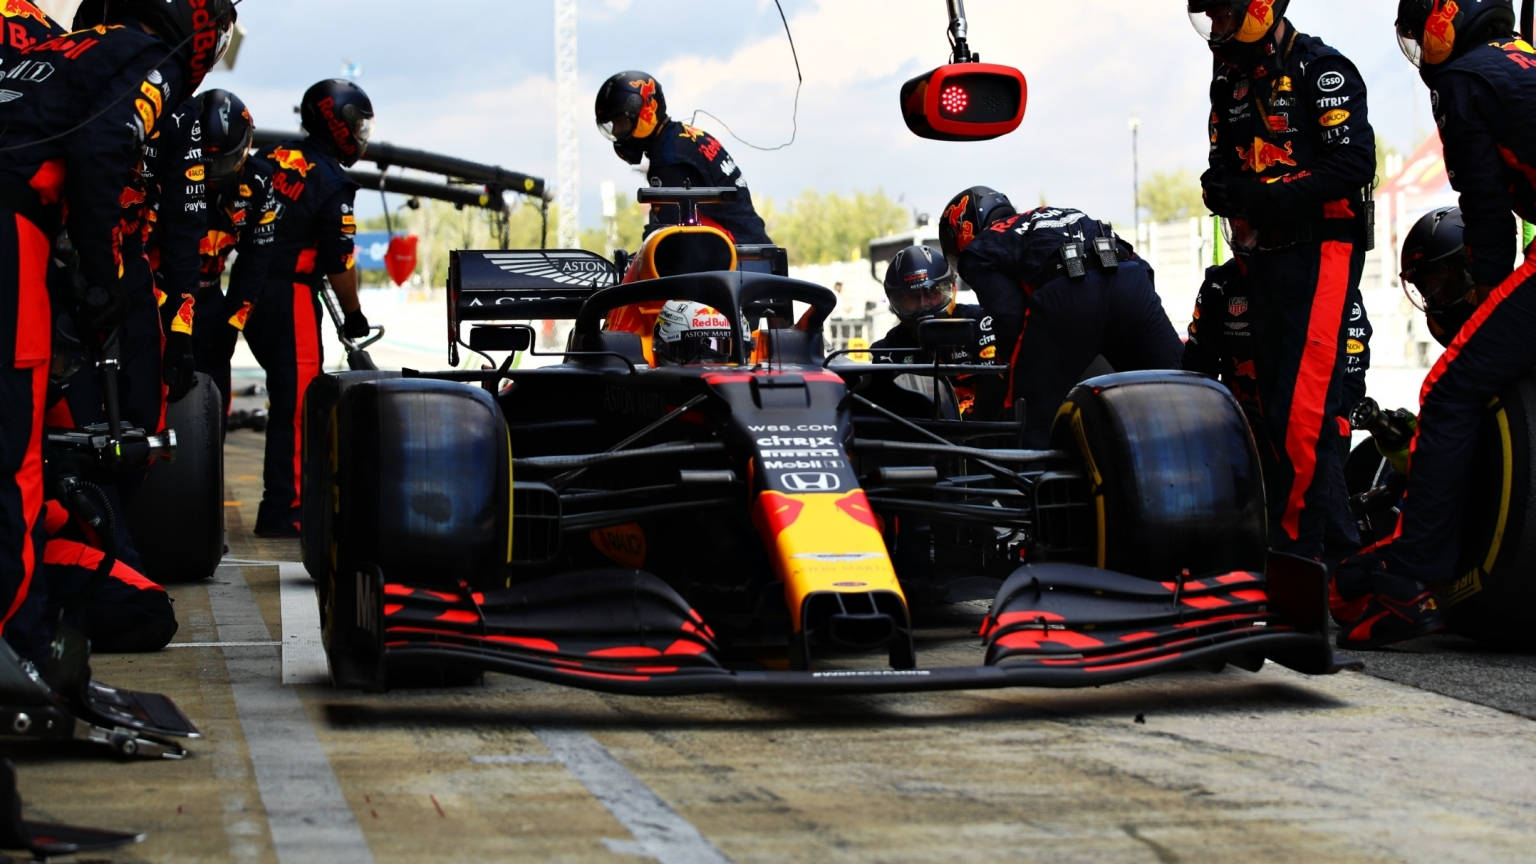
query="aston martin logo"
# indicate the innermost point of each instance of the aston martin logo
(589, 272)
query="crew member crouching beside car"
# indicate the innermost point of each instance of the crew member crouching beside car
(920, 285)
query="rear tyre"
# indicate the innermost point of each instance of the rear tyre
(176, 516)
(1173, 473)
(1494, 597)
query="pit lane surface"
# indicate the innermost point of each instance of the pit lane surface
(1350, 767)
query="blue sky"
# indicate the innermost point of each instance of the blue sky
(475, 78)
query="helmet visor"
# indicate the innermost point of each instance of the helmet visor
(617, 129)
(1216, 23)
(697, 346)
(226, 34)
(921, 301)
(362, 133)
(222, 167)
(1409, 42)
(1435, 283)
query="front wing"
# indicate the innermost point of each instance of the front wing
(1051, 625)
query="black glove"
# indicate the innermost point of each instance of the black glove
(177, 365)
(354, 325)
(1232, 195)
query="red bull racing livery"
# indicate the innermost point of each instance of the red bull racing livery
(787, 522)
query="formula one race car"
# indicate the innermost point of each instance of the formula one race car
(777, 520)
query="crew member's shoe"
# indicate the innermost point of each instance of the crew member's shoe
(271, 522)
(1374, 607)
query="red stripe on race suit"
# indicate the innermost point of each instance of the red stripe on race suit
(1485, 309)
(306, 341)
(72, 553)
(1308, 399)
(29, 481)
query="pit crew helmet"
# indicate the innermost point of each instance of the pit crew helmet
(968, 213)
(1434, 273)
(338, 115)
(227, 134)
(1432, 32)
(630, 108)
(1243, 21)
(690, 332)
(198, 30)
(920, 284)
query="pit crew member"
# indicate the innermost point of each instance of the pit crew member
(1292, 153)
(314, 240)
(1062, 288)
(920, 285)
(632, 113)
(1482, 82)
(1220, 344)
(74, 136)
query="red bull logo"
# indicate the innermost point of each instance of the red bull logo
(182, 323)
(1263, 156)
(292, 160)
(214, 243)
(1440, 32)
(1258, 21)
(241, 315)
(645, 123)
(965, 232)
(22, 9)
(130, 197)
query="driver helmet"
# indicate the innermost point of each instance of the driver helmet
(1432, 32)
(1245, 22)
(338, 115)
(630, 108)
(1434, 273)
(690, 332)
(227, 134)
(198, 31)
(969, 213)
(920, 284)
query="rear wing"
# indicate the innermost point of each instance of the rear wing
(519, 285)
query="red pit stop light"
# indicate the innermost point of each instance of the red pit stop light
(965, 102)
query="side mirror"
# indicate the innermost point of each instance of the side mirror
(936, 333)
(500, 337)
(965, 102)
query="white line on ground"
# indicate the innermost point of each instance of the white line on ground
(307, 814)
(658, 830)
(530, 759)
(263, 644)
(303, 652)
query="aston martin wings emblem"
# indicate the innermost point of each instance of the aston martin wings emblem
(557, 266)
(519, 284)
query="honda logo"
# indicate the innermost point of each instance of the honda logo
(818, 482)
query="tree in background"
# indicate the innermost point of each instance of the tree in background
(1168, 196)
(820, 229)
(816, 228)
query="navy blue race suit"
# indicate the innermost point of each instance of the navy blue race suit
(315, 233)
(241, 219)
(120, 609)
(77, 111)
(1052, 320)
(1292, 153)
(1221, 343)
(1483, 102)
(682, 155)
(978, 397)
